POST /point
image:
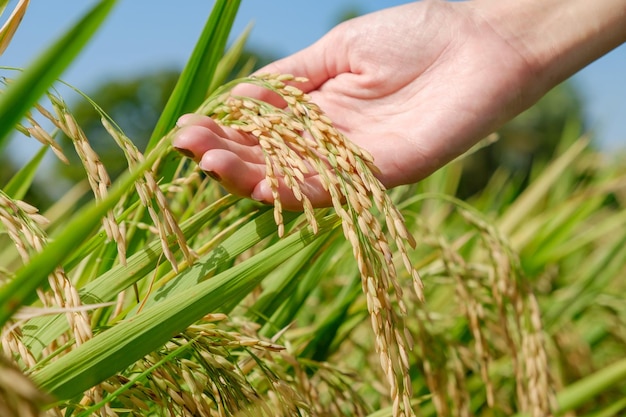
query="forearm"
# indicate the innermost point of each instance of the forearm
(557, 37)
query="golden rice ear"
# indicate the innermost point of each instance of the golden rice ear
(302, 136)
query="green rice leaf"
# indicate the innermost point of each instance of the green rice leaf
(41, 331)
(591, 279)
(281, 288)
(128, 341)
(517, 213)
(326, 338)
(3, 5)
(615, 409)
(22, 288)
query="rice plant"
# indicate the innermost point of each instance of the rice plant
(165, 296)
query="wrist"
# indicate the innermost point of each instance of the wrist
(556, 38)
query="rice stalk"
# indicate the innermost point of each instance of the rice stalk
(97, 174)
(148, 191)
(221, 367)
(485, 293)
(150, 194)
(23, 225)
(9, 27)
(532, 370)
(301, 139)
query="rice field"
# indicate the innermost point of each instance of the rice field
(163, 295)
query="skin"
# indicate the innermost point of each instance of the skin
(419, 84)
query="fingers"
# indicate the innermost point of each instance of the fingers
(193, 119)
(237, 176)
(247, 179)
(237, 162)
(194, 141)
(227, 155)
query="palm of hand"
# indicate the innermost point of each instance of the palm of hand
(415, 85)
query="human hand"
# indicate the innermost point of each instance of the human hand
(415, 85)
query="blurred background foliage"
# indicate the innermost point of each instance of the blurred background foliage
(530, 139)
(545, 210)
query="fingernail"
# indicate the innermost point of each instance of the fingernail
(213, 175)
(185, 152)
(182, 120)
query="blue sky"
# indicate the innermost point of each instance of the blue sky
(142, 35)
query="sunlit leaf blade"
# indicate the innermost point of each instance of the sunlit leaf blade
(191, 88)
(41, 332)
(243, 239)
(21, 289)
(8, 29)
(22, 94)
(118, 347)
